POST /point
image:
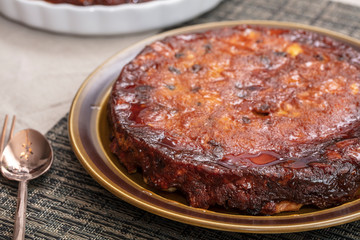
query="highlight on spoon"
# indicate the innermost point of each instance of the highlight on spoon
(27, 155)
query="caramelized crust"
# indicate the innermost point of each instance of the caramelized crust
(259, 119)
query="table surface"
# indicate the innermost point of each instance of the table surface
(42, 71)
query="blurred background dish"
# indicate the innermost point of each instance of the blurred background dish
(104, 20)
(96, 2)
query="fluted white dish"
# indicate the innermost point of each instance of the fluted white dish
(104, 20)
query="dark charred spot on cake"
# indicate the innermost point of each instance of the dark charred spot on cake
(195, 89)
(259, 41)
(319, 57)
(198, 104)
(242, 93)
(179, 55)
(246, 120)
(174, 70)
(262, 109)
(142, 93)
(196, 68)
(254, 88)
(207, 47)
(245, 91)
(144, 88)
(250, 88)
(341, 58)
(280, 54)
(170, 87)
(265, 61)
(213, 143)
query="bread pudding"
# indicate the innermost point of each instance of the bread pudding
(261, 120)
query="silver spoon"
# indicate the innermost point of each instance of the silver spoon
(26, 156)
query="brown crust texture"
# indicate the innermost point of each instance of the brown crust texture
(259, 119)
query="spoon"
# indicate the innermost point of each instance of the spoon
(26, 156)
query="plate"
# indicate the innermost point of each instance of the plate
(103, 20)
(89, 135)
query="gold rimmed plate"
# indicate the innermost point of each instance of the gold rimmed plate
(89, 135)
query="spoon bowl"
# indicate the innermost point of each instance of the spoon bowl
(27, 155)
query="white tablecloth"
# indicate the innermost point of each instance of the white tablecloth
(40, 72)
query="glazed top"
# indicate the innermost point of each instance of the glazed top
(241, 92)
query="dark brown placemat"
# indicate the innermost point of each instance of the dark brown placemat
(67, 203)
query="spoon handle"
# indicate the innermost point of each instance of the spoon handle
(20, 215)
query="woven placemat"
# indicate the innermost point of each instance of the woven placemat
(66, 203)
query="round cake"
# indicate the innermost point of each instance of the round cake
(258, 119)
